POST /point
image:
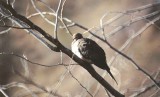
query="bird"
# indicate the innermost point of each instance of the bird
(88, 50)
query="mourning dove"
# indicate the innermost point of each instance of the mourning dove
(90, 51)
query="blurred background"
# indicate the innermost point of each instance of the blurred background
(142, 48)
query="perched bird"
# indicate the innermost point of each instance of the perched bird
(90, 51)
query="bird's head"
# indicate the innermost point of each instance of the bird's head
(77, 36)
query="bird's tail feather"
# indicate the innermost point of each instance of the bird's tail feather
(112, 76)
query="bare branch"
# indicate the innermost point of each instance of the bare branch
(145, 88)
(154, 93)
(48, 21)
(128, 23)
(29, 81)
(38, 64)
(79, 82)
(53, 14)
(7, 26)
(5, 31)
(61, 18)
(46, 5)
(3, 92)
(8, 2)
(56, 21)
(24, 64)
(17, 84)
(44, 13)
(143, 7)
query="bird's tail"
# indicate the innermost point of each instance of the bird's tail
(112, 76)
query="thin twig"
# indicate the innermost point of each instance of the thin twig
(3, 92)
(20, 85)
(69, 71)
(154, 93)
(79, 82)
(8, 2)
(44, 13)
(143, 7)
(128, 23)
(61, 18)
(16, 55)
(53, 14)
(43, 17)
(29, 81)
(56, 21)
(61, 12)
(46, 5)
(145, 88)
(7, 26)
(5, 31)
(108, 93)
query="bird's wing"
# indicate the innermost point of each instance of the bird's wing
(91, 50)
